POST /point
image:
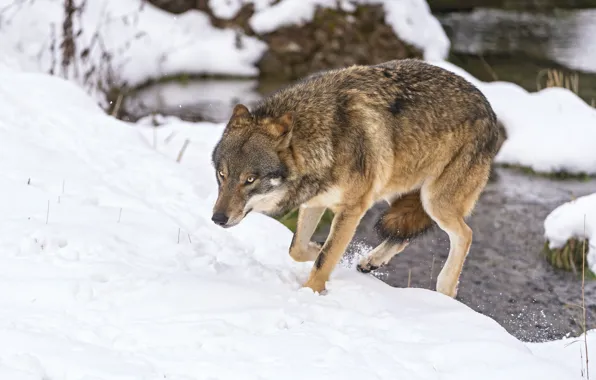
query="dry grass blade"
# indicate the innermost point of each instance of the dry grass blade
(557, 78)
(584, 301)
(432, 268)
(186, 142)
(118, 104)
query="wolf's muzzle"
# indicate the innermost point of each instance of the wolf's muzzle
(220, 218)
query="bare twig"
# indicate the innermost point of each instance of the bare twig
(178, 235)
(409, 277)
(120, 215)
(170, 137)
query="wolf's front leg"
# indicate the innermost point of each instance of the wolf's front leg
(302, 249)
(343, 228)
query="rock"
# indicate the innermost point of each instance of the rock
(175, 6)
(334, 38)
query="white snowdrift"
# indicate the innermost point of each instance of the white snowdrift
(552, 130)
(146, 42)
(411, 20)
(111, 269)
(574, 219)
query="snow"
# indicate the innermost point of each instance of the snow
(411, 20)
(146, 42)
(574, 219)
(112, 269)
(552, 130)
(569, 352)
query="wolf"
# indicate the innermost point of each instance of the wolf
(406, 132)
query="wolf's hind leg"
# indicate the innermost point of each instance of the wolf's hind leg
(381, 255)
(301, 248)
(402, 222)
(449, 199)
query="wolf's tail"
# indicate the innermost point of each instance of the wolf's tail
(405, 219)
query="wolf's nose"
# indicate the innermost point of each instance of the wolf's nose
(219, 218)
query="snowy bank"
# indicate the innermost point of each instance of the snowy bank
(144, 42)
(112, 269)
(552, 130)
(573, 220)
(131, 42)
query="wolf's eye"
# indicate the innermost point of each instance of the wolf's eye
(221, 173)
(250, 179)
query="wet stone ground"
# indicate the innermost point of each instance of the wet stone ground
(505, 275)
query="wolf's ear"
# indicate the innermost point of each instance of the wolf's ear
(240, 112)
(240, 118)
(281, 128)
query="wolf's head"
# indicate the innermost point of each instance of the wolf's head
(250, 173)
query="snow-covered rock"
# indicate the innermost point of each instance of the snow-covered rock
(575, 219)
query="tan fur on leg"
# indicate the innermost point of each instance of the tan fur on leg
(302, 249)
(448, 199)
(460, 240)
(343, 228)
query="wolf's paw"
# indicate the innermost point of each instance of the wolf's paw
(310, 254)
(315, 284)
(366, 266)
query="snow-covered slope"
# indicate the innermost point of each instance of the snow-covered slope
(110, 268)
(574, 219)
(551, 130)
